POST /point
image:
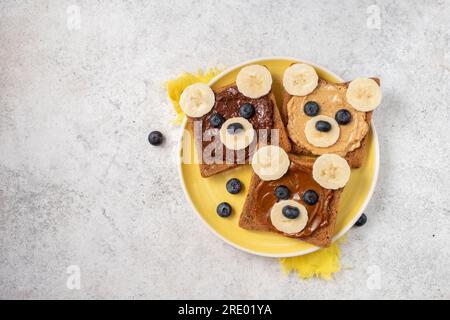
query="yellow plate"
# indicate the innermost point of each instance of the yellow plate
(206, 193)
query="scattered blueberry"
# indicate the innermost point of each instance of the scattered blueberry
(224, 210)
(282, 193)
(235, 128)
(311, 108)
(155, 138)
(234, 186)
(343, 117)
(310, 197)
(247, 111)
(216, 120)
(291, 212)
(361, 221)
(323, 126)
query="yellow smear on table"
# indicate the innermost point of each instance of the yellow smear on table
(322, 263)
(176, 86)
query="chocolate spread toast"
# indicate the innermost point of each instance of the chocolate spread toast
(261, 198)
(228, 102)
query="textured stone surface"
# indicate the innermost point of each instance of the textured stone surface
(80, 185)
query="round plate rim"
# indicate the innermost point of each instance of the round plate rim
(296, 253)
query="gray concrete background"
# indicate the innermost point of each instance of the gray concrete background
(80, 185)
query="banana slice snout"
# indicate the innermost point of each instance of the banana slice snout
(254, 81)
(322, 131)
(300, 79)
(197, 100)
(364, 94)
(331, 171)
(270, 163)
(289, 216)
(237, 133)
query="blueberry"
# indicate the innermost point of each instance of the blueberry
(310, 197)
(311, 108)
(224, 210)
(247, 111)
(323, 126)
(155, 138)
(282, 193)
(291, 212)
(235, 128)
(216, 120)
(234, 186)
(361, 221)
(343, 117)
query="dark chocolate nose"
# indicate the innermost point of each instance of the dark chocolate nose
(323, 126)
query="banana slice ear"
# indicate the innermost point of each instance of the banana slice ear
(270, 163)
(300, 79)
(331, 171)
(254, 81)
(364, 94)
(197, 100)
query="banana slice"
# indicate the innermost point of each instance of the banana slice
(254, 81)
(237, 133)
(285, 224)
(300, 79)
(197, 100)
(322, 139)
(270, 163)
(331, 171)
(364, 94)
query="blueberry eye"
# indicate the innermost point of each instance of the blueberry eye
(343, 117)
(282, 193)
(311, 108)
(310, 197)
(247, 111)
(216, 120)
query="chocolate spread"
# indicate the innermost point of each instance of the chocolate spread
(298, 180)
(228, 103)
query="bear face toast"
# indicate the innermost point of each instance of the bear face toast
(323, 117)
(302, 204)
(237, 119)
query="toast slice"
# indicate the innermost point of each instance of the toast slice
(256, 213)
(208, 170)
(354, 158)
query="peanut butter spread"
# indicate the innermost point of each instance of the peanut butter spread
(298, 180)
(331, 98)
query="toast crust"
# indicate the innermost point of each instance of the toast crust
(208, 170)
(354, 158)
(321, 237)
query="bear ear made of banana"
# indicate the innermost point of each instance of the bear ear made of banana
(364, 94)
(254, 81)
(330, 171)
